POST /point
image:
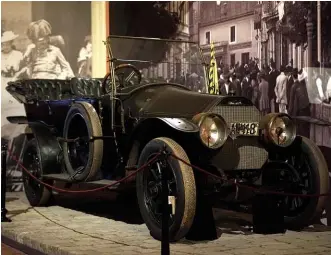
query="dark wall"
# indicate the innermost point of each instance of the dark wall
(145, 19)
(141, 19)
(118, 18)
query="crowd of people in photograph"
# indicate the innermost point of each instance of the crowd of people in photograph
(285, 90)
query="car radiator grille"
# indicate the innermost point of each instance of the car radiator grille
(242, 152)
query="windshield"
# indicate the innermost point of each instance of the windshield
(158, 60)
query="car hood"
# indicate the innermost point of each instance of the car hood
(165, 100)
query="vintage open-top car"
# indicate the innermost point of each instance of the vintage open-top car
(97, 131)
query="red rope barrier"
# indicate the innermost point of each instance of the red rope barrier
(283, 193)
(82, 191)
(152, 161)
(197, 168)
(250, 187)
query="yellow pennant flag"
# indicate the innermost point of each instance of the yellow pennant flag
(213, 87)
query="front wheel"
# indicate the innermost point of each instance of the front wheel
(308, 174)
(182, 190)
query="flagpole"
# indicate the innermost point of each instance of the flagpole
(204, 69)
(213, 87)
(319, 34)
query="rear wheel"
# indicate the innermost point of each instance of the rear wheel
(36, 193)
(182, 190)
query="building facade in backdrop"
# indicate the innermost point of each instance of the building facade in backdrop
(174, 65)
(273, 43)
(230, 26)
(194, 19)
(273, 38)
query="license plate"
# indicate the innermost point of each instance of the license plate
(244, 129)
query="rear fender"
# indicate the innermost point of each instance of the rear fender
(49, 146)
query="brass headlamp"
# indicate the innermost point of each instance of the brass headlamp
(279, 129)
(213, 129)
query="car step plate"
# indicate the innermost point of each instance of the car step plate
(66, 178)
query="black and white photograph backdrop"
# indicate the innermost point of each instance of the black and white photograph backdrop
(40, 40)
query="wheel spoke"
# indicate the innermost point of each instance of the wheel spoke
(299, 201)
(153, 191)
(78, 154)
(156, 177)
(150, 202)
(294, 203)
(159, 169)
(299, 163)
(292, 161)
(299, 178)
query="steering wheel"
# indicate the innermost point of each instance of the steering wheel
(124, 74)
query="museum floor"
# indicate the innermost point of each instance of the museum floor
(114, 227)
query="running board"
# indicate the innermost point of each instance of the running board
(66, 178)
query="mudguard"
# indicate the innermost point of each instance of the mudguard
(181, 124)
(50, 149)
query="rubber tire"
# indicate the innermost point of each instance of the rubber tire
(94, 128)
(186, 205)
(44, 198)
(321, 179)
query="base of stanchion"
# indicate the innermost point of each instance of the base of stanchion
(203, 227)
(268, 214)
(4, 147)
(4, 218)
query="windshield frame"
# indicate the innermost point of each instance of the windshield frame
(112, 58)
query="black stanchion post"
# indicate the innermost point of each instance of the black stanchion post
(165, 245)
(268, 209)
(4, 147)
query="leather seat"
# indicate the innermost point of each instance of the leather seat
(86, 87)
(51, 89)
(43, 89)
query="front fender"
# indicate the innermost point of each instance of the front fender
(181, 124)
(150, 128)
